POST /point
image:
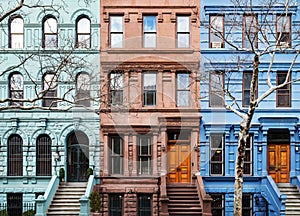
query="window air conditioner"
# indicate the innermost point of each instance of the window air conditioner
(284, 44)
(216, 44)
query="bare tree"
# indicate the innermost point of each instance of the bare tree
(267, 34)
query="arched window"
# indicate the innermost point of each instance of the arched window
(16, 86)
(16, 29)
(83, 32)
(43, 155)
(50, 36)
(83, 89)
(50, 90)
(15, 155)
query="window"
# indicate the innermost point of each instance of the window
(217, 205)
(16, 32)
(283, 30)
(144, 205)
(50, 33)
(216, 93)
(183, 31)
(250, 36)
(248, 156)
(284, 93)
(116, 31)
(149, 31)
(115, 205)
(247, 205)
(50, 90)
(83, 89)
(83, 32)
(216, 31)
(15, 156)
(116, 155)
(216, 154)
(144, 155)
(116, 88)
(183, 89)
(16, 86)
(247, 78)
(14, 204)
(149, 89)
(43, 156)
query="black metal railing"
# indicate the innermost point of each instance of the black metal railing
(19, 209)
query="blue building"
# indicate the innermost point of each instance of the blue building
(230, 35)
(49, 86)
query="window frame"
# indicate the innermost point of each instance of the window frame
(114, 155)
(249, 148)
(213, 95)
(12, 32)
(149, 32)
(247, 208)
(111, 33)
(215, 196)
(47, 99)
(180, 90)
(279, 33)
(214, 31)
(45, 34)
(116, 88)
(286, 88)
(15, 155)
(115, 210)
(79, 42)
(83, 95)
(178, 32)
(150, 91)
(247, 90)
(212, 152)
(15, 91)
(146, 209)
(248, 37)
(141, 156)
(43, 155)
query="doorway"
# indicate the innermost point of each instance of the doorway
(279, 155)
(179, 157)
(77, 156)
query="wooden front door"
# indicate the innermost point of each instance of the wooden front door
(179, 162)
(279, 162)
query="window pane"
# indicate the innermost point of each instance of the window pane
(16, 82)
(16, 25)
(50, 25)
(149, 23)
(149, 40)
(183, 98)
(149, 81)
(115, 205)
(183, 24)
(283, 23)
(183, 40)
(216, 141)
(50, 41)
(116, 40)
(15, 156)
(43, 156)
(216, 89)
(17, 41)
(83, 81)
(50, 81)
(144, 205)
(84, 41)
(116, 24)
(83, 26)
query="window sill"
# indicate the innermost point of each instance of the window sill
(153, 50)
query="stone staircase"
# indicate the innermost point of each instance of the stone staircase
(66, 199)
(183, 200)
(293, 198)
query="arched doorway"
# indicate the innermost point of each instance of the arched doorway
(77, 156)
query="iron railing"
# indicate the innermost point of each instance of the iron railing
(25, 209)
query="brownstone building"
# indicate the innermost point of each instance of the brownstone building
(150, 112)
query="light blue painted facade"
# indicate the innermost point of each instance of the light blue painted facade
(266, 198)
(29, 124)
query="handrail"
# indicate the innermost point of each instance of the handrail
(85, 200)
(43, 202)
(295, 180)
(205, 199)
(272, 194)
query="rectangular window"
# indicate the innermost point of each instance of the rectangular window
(284, 93)
(183, 89)
(216, 31)
(247, 78)
(116, 155)
(247, 205)
(149, 31)
(217, 204)
(216, 154)
(116, 88)
(183, 31)
(283, 30)
(149, 88)
(144, 205)
(116, 31)
(216, 93)
(250, 31)
(14, 203)
(248, 156)
(115, 205)
(144, 155)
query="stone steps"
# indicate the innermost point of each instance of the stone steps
(293, 198)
